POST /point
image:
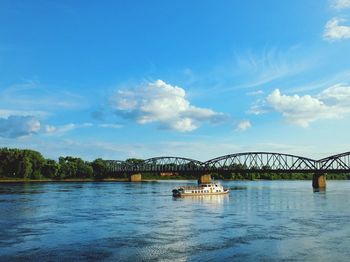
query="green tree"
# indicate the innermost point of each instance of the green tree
(50, 169)
(134, 161)
(100, 168)
(74, 167)
(24, 169)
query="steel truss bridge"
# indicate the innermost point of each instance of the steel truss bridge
(250, 162)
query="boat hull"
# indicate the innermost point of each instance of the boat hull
(176, 193)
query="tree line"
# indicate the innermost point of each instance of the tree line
(30, 164)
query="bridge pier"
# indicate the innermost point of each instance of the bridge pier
(204, 179)
(135, 178)
(319, 180)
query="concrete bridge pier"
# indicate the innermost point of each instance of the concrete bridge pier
(135, 177)
(204, 179)
(319, 181)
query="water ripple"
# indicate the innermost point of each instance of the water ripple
(258, 221)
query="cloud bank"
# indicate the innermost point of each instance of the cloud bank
(340, 4)
(332, 103)
(18, 126)
(334, 31)
(162, 103)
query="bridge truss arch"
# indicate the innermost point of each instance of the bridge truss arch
(170, 164)
(261, 162)
(335, 163)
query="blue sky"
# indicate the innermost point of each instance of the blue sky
(199, 79)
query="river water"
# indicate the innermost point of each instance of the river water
(257, 221)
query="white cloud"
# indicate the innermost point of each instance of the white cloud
(243, 125)
(337, 94)
(50, 129)
(162, 103)
(18, 126)
(5, 113)
(340, 4)
(332, 103)
(116, 126)
(259, 107)
(59, 130)
(334, 31)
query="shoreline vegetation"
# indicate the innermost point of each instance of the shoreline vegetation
(124, 180)
(23, 165)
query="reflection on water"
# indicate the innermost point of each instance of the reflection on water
(320, 190)
(258, 220)
(212, 200)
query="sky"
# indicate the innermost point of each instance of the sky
(197, 79)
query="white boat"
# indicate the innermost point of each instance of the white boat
(200, 190)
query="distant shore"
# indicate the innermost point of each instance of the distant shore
(8, 180)
(5, 180)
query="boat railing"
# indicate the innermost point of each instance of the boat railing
(191, 187)
(195, 187)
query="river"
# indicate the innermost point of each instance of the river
(109, 221)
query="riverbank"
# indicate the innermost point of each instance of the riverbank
(4, 180)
